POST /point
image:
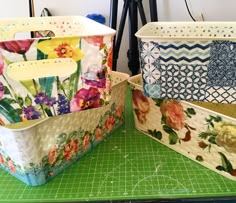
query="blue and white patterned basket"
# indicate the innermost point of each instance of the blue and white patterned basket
(189, 61)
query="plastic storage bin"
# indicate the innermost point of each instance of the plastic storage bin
(203, 135)
(193, 61)
(49, 76)
(35, 151)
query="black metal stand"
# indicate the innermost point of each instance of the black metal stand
(132, 7)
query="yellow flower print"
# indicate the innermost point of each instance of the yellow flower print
(61, 48)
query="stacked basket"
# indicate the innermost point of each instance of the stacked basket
(193, 62)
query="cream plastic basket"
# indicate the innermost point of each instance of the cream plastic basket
(203, 135)
(192, 61)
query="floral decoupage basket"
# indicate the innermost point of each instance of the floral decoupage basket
(38, 150)
(64, 73)
(203, 132)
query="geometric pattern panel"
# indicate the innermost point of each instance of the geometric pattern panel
(221, 94)
(185, 52)
(152, 90)
(184, 82)
(149, 54)
(222, 66)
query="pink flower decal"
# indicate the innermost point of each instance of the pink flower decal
(19, 46)
(119, 111)
(174, 113)
(86, 141)
(110, 58)
(141, 105)
(52, 155)
(95, 40)
(11, 166)
(1, 159)
(98, 133)
(1, 64)
(109, 123)
(85, 99)
(70, 149)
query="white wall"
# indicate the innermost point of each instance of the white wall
(213, 10)
(14, 8)
(168, 10)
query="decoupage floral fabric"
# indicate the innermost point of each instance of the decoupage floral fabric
(202, 135)
(88, 87)
(67, 148)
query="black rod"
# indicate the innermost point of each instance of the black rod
(120, 33)
(133, 55)
(141, 12)
(113, 24)
(153, 10)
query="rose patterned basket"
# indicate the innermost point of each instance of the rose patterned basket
(191, 61)
(203, 135)
(65, 72)
(35, 151)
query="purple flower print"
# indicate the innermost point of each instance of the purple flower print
(50, 102)
(95, 78)
(1, 90)
(31, 113)
(85, 99)
(41, 98)
(63, 105)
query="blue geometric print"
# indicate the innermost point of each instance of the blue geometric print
(189, 70)
(193, 52)
(221, 94)
(149, 52)
(152, 90)
(222, 65)
(185, 82)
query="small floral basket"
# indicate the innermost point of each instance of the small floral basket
(66, 71)
(203, 135)
(36, 151)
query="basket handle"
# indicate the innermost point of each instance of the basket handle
(26, 70)
(9, 28)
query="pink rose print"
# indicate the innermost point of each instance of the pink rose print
(110, 58)
(52, 155)
(1, 64)
(174, 113)
(1, 90)
(11, 166)
(70, 149)
(109, 123)
(95, 40)
(1, 159)
(98, 133)
(85, 99)
(119, 111)
(141, 104)
(86, 141)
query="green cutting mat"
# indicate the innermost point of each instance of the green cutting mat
(128, 165)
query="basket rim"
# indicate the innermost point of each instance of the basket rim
(141, 32)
